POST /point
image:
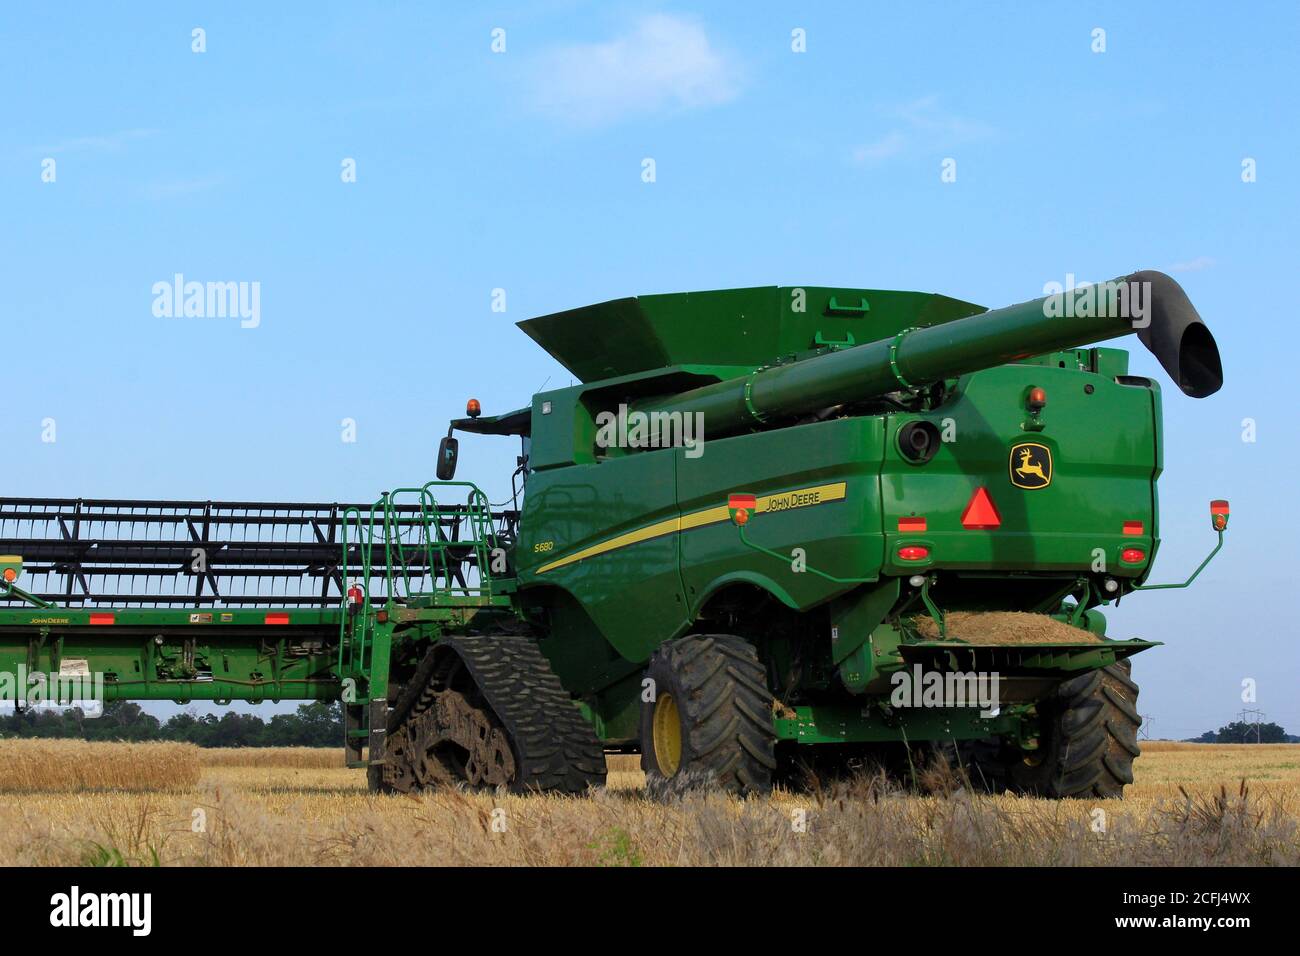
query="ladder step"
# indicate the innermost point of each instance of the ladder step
(353, 733)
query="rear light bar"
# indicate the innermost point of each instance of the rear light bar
(102, 618)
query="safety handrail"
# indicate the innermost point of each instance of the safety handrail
(431, 540)
(366, 547)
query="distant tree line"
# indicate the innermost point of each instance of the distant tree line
(316, 724)
(1241, 732)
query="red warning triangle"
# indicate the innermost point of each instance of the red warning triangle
(980, 513)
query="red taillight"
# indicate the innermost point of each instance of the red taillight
(277, 618)
(913, 552)
(381, 617)
(1133, 527)
(102, 618)
(911, 525)
(1132, 555)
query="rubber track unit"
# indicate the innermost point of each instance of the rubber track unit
(555, 748)
(725, 708)
(1091, 738)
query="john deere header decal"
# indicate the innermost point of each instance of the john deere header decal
(1031, 465)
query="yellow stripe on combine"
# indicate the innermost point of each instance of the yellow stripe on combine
(782, 501)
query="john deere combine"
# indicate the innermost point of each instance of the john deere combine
(766, 523)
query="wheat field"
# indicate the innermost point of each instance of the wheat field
(40, 766)
(284, 757)
(1189, 805)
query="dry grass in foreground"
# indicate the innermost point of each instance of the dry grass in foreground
(38, 766)
(262, 815)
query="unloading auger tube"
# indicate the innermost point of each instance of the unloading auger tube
(1149, 303)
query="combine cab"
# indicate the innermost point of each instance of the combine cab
(766, 523)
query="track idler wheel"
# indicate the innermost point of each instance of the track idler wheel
(456, 740)
(396, 775)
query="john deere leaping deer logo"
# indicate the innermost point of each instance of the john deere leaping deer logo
(1031, 465)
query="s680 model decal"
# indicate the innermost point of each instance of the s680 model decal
(781, 501)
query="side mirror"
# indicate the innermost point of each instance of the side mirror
(448, 449)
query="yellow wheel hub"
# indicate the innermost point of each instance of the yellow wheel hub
(666, 729)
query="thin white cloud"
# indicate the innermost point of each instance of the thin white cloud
(924, 115)
(181, 187)
(1192, 265)
(888, 145)
(663, 64)
(106, 143)
(919, 123)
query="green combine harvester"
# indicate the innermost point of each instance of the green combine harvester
(767, 524)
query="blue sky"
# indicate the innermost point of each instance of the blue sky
(522, 171)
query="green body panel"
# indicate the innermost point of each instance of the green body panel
(842, 536)
(609, 505)
(1102, 476)
(569, 510)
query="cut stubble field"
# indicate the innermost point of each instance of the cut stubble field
(1191, 804)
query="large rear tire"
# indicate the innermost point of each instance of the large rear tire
(711, 715)
(1089, 738)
